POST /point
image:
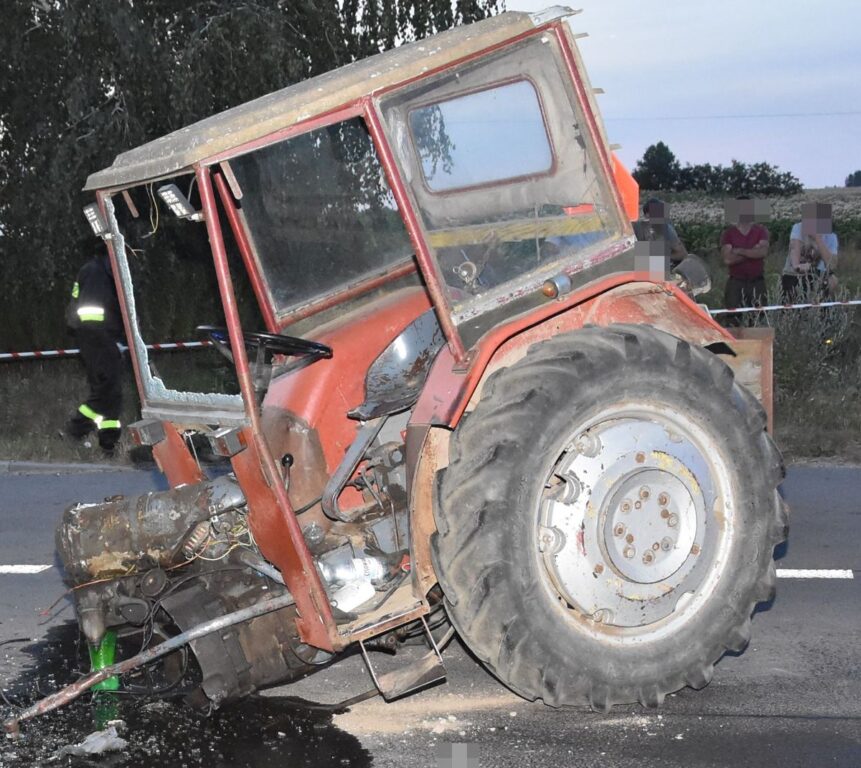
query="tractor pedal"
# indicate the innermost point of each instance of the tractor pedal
(426, 671)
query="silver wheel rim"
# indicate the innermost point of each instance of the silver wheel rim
(635, 522)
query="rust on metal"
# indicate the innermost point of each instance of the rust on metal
(753, 365)
(388, 623)
(628, 298)
(97, 541)
(174, 459)
(433, 457)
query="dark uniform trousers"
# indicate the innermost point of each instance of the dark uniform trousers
(101, 410)
(94, 315)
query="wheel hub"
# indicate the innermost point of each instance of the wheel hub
(649, 525)
(630, 508)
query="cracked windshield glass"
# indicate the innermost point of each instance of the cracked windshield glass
(175, 289)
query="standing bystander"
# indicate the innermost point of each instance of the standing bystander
(808, 274)
(744, 246)
(656, 226)
(94, 316)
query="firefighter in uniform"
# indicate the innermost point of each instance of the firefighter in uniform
(94, 316)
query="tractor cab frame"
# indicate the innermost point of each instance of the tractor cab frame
(511, 90)
(410, 225)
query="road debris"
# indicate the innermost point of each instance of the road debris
(97, 743)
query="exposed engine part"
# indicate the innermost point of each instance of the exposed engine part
(341, 566)
(314, 534)
(351, 596)
(253, 560)
(366, 434)
(153, 583)
(248, 655)
(132, 550)
(196, 540)
(97, 541)
(350, 579)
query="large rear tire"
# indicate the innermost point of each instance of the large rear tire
(607, 521)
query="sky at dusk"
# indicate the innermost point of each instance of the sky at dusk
(755, 80)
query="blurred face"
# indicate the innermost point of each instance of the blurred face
(815, 219)
(656, 211)
(746, 212)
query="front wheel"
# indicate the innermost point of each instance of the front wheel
(607, 522)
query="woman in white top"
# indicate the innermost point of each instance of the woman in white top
(809, 270)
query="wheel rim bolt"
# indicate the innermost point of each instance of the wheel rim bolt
(619, 530)
(665, 513)
(587, 444)
(640, 457)
(656, 546)
(629, 552)
(663, 499)
(626, 506)
(630, 538)
(648, 557)
(645, 492)
(673, 520)
(667, 544)
(638, 504)
(599, 568)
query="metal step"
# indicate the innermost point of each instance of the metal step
(426, 671)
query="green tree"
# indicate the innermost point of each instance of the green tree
(658, 169)
(82, 81)
(854, 179)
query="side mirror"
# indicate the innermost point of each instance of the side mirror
(692, 275)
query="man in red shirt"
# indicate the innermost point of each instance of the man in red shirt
(744, 247)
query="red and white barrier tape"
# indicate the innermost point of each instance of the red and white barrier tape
(47, 354)
(775, 307)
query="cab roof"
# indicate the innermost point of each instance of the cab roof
(184, 148)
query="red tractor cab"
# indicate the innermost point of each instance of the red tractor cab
(459, 399)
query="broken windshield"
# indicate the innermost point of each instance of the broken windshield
(170, 288)
(320, 213)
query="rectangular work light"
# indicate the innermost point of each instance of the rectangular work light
(178, 203)
(96, 221)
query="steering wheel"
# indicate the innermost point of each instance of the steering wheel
(266, 344)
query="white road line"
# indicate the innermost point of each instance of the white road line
(24, 568)
(812, 573)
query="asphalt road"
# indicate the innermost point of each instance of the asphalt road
(792, 699)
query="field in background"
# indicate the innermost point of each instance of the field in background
(699, 220)
(817, 352)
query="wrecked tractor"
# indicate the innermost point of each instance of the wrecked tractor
(443, 393)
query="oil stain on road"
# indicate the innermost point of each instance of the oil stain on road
(257, 732)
